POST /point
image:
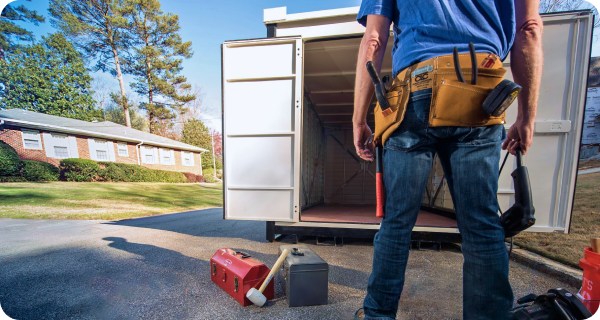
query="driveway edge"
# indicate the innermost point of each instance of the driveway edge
(571, 276)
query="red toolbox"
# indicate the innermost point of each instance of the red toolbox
(236, 272)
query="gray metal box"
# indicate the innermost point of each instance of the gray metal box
(304, 278)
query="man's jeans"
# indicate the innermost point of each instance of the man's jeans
(469, 157)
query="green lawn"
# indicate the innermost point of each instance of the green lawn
(585, 224)
(104, 200)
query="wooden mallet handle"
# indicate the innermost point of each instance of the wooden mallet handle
(276, 267)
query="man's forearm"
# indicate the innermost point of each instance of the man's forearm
(527, 62)
(372, 48)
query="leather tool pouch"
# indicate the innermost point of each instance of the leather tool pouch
(456, 103)
(398, 99)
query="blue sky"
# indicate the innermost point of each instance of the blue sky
(208, 24)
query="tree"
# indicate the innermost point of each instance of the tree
(197, 134)
(10, 31)
(547, 6)
(113, 112)
(156, 64)
(99, 30)
(49, 77)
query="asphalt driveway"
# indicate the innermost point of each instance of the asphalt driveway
(158, 268)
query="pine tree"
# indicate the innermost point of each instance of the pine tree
(10, 31)
(99, 29)
(196, 133)
(156, 63)
(49, 77)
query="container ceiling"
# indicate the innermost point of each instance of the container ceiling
(329, 71)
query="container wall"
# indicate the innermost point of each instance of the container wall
(347, 182)
(314, 145)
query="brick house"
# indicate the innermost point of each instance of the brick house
(42, 137)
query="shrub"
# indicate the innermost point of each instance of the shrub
(193, 178)
(12, 179)
(122, 172)
(39, 171)
(209, 175)
(80, 170)
(10, 163)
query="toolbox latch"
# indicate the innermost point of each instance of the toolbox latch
(235, 283)
(214, 269)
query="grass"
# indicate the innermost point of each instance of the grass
(585, 224)
(104, 200)
(589, 164)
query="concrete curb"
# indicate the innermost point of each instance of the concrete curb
(571, 276)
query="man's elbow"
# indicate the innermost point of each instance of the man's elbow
(373, 43)
(531, 30)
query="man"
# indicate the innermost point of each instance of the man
(469, 155)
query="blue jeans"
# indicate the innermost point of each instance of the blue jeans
(469, 157)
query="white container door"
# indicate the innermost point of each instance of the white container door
(553, 158)
(262, 101)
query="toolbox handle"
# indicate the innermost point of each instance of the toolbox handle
(244, 255)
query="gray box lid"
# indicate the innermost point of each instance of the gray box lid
(309, 262)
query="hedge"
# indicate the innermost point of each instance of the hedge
(209, 175)
(79, 170)
(39, 171)
(10, 163)
(193, 178)
(122, 172)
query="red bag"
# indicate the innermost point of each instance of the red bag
(235, 272)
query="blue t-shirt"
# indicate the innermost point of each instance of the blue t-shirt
(424, 29)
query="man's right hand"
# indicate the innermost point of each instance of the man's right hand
(363, 141)
(520, 135)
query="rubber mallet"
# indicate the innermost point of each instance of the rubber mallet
(256, 296)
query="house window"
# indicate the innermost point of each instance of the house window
(187, 158)
(61, 152)
(31, 139)
(148, 155)
(123, 152)
(61, 146)
(101, 150)
(101, 155)
(166, 157)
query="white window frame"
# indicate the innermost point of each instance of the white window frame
(60, 137)
(191, 158)
(166, 153)
(28, 135)
(147, 151)
(121, 144)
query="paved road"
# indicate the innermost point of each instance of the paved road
(586, 171)
(158, 268)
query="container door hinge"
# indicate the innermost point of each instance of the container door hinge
(235, 283)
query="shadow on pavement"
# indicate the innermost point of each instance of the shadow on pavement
(200, 223)
(103, 283)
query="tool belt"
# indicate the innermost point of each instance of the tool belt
(453, 103)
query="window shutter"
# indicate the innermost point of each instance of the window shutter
(92, 147)
(172, 152)
(48, 145)
(111, 151)
(155, 153)
(73, 152)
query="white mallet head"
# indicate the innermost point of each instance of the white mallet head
(256, 297)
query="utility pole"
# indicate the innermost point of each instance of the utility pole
(212, 142)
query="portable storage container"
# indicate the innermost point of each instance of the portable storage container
(236, 272)
(288, 150)
(304, 276)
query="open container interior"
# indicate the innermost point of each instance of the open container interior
(337, 186)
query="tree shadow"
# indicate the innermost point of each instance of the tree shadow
(200, 223)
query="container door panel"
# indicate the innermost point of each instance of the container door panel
(553, 158)
(262, 99)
